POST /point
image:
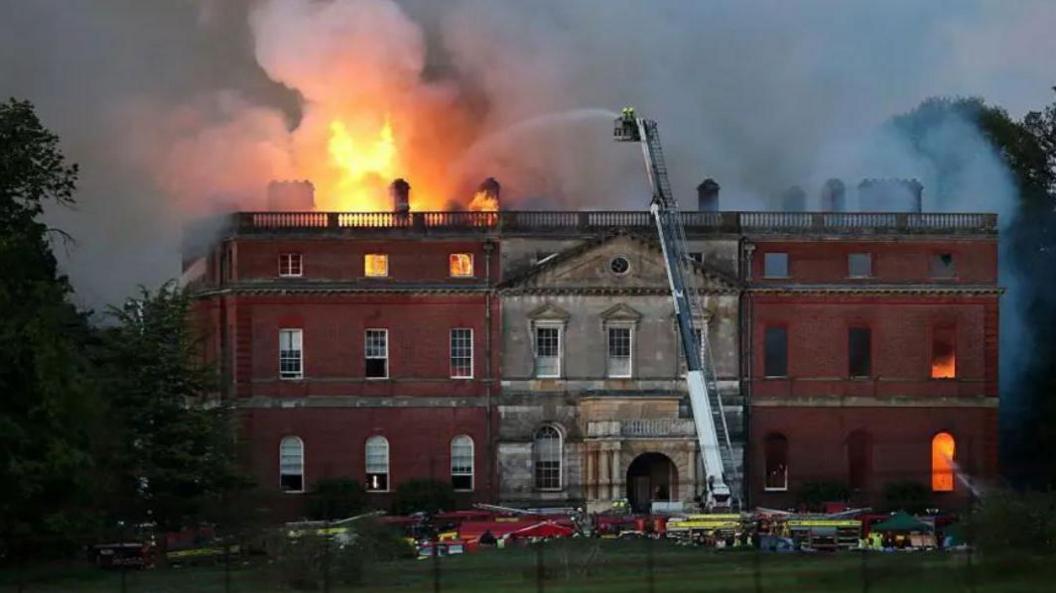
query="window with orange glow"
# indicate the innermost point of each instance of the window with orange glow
(942, 455)
(376, 265)
(461, 265)
(943, 354)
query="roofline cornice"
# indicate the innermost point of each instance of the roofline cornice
(879, 289)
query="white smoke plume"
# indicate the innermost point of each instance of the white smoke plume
(178, 109)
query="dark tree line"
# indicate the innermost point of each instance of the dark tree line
(97, 425)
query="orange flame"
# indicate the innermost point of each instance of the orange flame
(943, 448)
(944, 367)
(484, 202)
(362, 165)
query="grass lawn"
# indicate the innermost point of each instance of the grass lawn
(592, 566)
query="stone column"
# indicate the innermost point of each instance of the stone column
(588, 472)
(615, 470)
(691, 478)
(605, 480)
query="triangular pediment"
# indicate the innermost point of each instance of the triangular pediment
(620, 312)
(548, 312)
(618, 262)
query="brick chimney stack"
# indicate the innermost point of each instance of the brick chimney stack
(833, 196)
(890, 195)
(400, 191)
(708, 196)
(794, 199)
(491, 190)
(291, 196)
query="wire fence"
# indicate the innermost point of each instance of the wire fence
(368, 555)
(576, 564)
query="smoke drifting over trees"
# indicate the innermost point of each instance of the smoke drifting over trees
(183, 108)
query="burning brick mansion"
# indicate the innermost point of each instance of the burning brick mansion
(530, 358)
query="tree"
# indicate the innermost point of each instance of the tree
(1031, 429)
(1029, 413)
(425, 496)
(813, 495)
(1028, 245)
(906, 495)
(48, 407)
(335, 498)
(175, 457)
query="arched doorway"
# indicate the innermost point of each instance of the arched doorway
(651, 476)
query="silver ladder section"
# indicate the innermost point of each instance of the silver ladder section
(673, 226)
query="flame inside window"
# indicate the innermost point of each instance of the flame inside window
(943, 355)
(376, 265)
(942, 451)
(461, 264)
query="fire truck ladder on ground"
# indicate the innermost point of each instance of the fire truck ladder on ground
(713, 437)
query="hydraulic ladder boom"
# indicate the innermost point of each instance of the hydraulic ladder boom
(712, 434)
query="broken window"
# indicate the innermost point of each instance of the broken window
(776, 453)
(290, 354)
(376, 353)
(461, 353)
(943, 354)
(775, 354)
(460, 265)
(860, 265)
(291, 464)
(546, 453)
(775, 265)
(290, 265)
(858, 351)
(377, 464)
(548, 351)
(376, 265)
(859, 459)
(462, 463)
(943, 449)
(942, 266)
(619, 361)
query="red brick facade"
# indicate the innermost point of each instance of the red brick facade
(895, 408)
(333, 407)
(334, 443)
(906, 303)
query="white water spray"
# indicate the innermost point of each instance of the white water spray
(488, 144)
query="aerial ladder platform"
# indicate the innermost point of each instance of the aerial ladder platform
(713, 437)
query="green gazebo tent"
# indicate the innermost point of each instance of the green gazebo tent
(901, 521)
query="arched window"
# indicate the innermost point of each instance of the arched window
(776, 451)
(377, 464)
(943, 449)
(859, 459)
(462, 463)
(546, 453)
(291, 464)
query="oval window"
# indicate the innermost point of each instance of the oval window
(619, 265)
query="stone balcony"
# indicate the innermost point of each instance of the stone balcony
(642, 428)
(512, 222)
